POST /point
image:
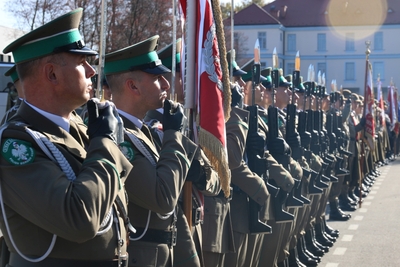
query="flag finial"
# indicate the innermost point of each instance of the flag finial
(368, 51)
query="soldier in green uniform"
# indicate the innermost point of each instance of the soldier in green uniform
(205, 181)
(59, 186)
(246, 184)
(271, 243)
(135, 76)
(12, 72)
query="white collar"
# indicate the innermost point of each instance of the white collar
(60, 121)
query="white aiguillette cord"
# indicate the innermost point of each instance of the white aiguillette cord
(55, 155)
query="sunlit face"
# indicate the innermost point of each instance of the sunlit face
(300, 101)
(74, 75)
(239, 81)
(153, 90)
(326, 101)
(282, 96)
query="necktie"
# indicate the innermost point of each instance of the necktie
(146, 131)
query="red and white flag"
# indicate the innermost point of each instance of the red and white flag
(380, 101)
(369, 128)
(209, 93)
(393, 108)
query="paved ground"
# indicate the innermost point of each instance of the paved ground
(371, 238)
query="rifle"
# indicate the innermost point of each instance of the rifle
(306, 123)
(257, 163)
(295, 199)
(279, 202)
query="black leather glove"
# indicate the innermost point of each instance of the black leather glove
(237, 96)
(173, 116)
(363, 121)
(293, 140)
(305, 139)
(278, 146)
(255, 143)
(102, 120)
(195, 171)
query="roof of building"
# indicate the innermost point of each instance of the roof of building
(313, 13)
(254, 15)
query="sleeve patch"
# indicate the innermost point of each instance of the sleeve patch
(18, 152)
(127, 149)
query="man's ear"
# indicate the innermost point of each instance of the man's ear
(131, 84)
(50, 73)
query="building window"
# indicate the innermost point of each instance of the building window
(262, 39)
(291, 45)
(350, 42)
(290, 68)
(321, 42)
(350, 71)
(378, 68)
(378, 41)
(321, 67)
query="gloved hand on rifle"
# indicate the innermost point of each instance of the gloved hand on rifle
(173, 117)
(305, 138)
(279, 149)
(255, 143)
(293, 141)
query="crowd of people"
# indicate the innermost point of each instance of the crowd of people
(105, 188)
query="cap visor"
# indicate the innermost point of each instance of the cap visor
(83, 51)
(239, 72)
(285, 84)
(160, 69)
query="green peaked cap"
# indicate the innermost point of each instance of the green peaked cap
(12, 72)
(59, 35)
(247, 67)
(267, 74)
(165, 55)
(236, 70)
(141, 56)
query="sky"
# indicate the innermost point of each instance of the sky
(6, 18)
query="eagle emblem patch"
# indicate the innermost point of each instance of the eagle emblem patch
(18, 152)
(127, 150)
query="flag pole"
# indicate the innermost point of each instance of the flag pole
(232, 39)
(102, 48)
(173, 64)
(366, 99)
(189, 87)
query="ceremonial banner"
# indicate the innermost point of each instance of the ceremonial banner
(392, 99)
(369, 128)
(380, 101)
(209, 91)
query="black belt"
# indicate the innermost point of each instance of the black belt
(155, 236)
(18, 261)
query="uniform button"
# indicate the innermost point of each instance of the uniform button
(123, 173)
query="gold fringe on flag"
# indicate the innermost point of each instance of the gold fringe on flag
(216, 153)
(211, 146)
(219, 28)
